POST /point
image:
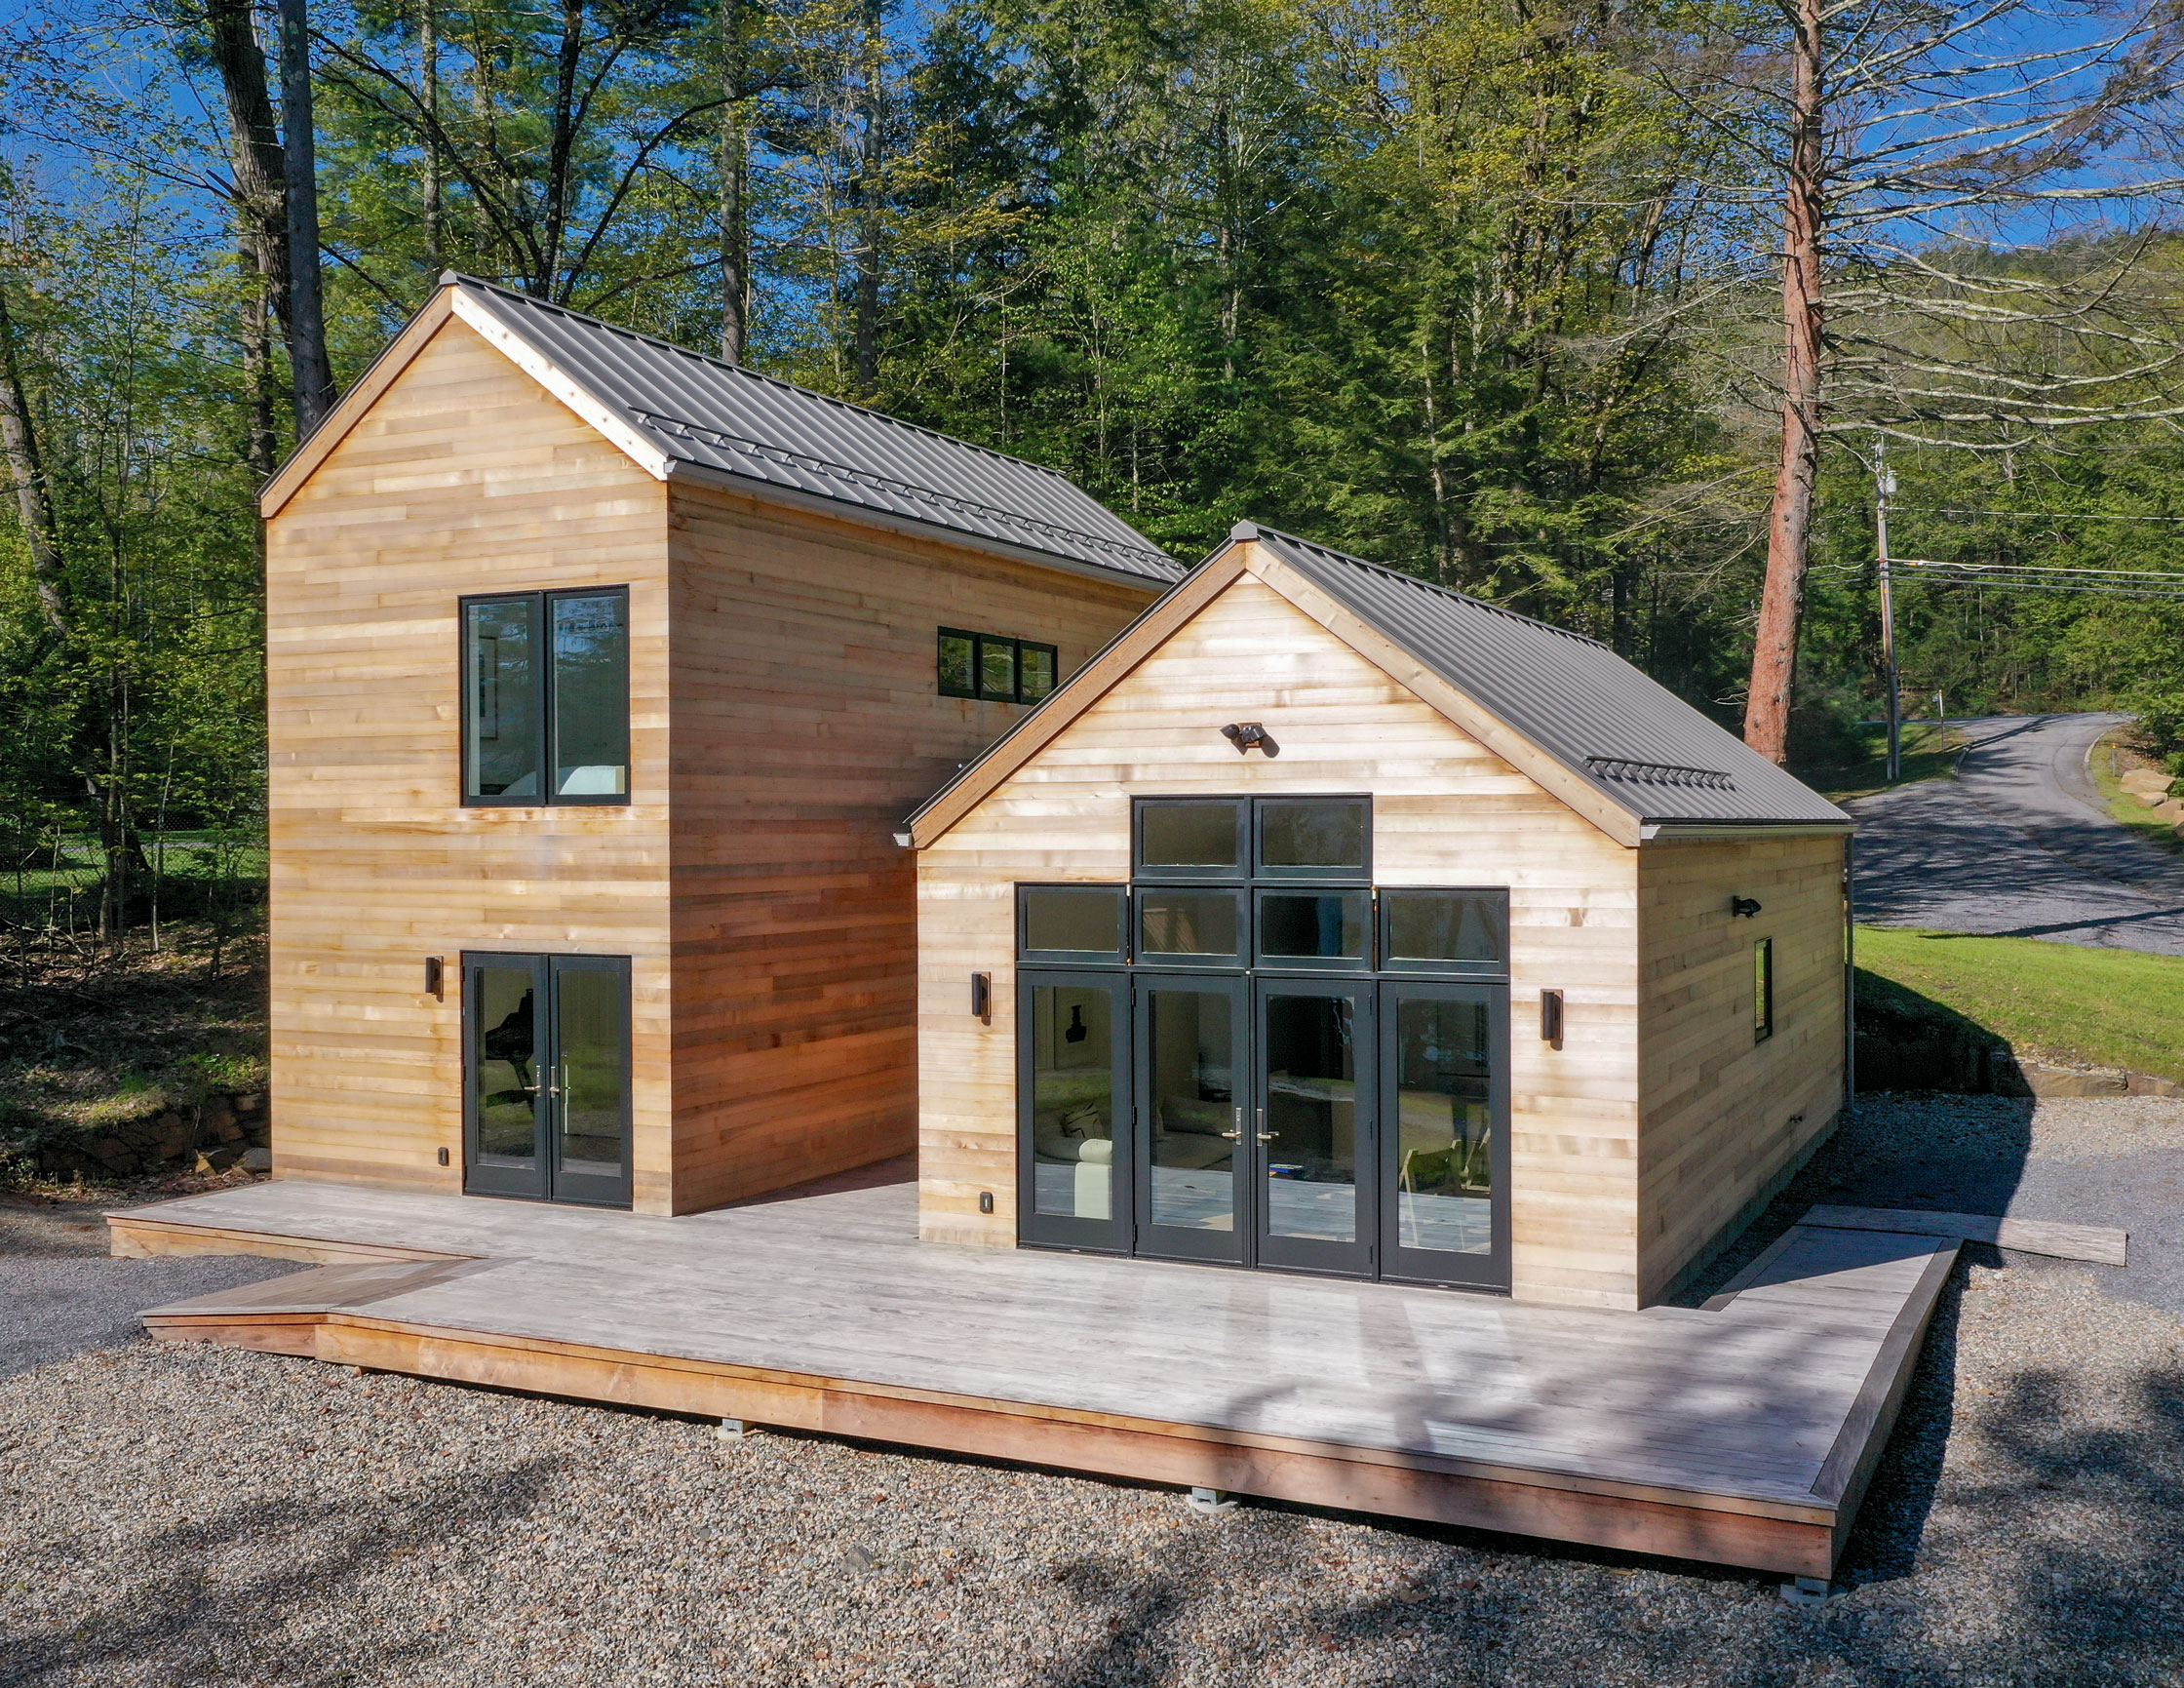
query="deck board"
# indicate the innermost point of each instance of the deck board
(829, 1300)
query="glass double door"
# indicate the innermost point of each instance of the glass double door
(1349, 1126)
(547, 1072)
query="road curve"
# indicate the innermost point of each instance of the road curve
(2018, 845)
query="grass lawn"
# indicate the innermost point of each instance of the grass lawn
(2113, 756)
(1928, 752)
(2060, 1002)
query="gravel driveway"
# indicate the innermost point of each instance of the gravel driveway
(196, 1516)
(2017, 846)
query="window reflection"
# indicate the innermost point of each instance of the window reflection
(1072, 1101)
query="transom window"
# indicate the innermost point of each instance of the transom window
(995, 667)
(546, 697)
(1267, 837)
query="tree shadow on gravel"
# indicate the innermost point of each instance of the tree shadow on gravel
(192, 1624)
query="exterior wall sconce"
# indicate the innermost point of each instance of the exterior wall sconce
(435, 978)
(985, 1201)
(1248, 736)
(982, 996)
(1745, 906)
(443, 1156)
(1550, 1017)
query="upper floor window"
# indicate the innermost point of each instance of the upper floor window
(995, 667)
(546, 697)
(1267, 838)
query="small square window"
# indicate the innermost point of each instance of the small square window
(958, 678)
(1036, 670)
(996, 669)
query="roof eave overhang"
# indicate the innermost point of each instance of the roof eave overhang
(683, 472)
(1723, 831)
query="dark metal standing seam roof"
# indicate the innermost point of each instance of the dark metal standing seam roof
(1629, 737)
(717, 416)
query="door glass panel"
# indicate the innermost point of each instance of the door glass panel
(1315, 926)
(592, 1014)
(1312, 1117)
(1198, 835)
(1073, 1100)
(505, 1014)
(502, 724)
(1193, 924)
(1189, 1062)
(1443, 927)
(1087, 922)
(592, 695)
(1311, 833)
(1444, 1146)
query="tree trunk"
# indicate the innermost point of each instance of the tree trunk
(1767, 709)
(18, 437)
(262, 210)
(868, 203)
(436, 234)
(562, 153)
(735, 167)
(307, 359)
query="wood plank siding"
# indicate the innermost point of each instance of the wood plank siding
(465, 477)
(1727, 1117)
(1447, 811)
(783, 716)
(807, 723)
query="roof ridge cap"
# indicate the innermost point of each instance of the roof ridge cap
(1424, 585)
(456, 277)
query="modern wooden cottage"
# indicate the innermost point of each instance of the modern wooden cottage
(1332, 921)
(598, 673)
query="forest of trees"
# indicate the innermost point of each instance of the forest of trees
(1487, 291)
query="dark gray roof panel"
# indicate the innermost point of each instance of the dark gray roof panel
(1628, 737)
(716, 416)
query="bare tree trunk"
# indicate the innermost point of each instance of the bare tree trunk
(436, 234)
(736, 168)
(262, 208)
(307, 359)
(257, 364)
(871, 100)
(18, 437)
(1767, 708)
(562, 150)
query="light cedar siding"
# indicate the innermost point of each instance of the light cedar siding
(1727, 1117)
(1447, 811)
(460, 476)
(807, 721)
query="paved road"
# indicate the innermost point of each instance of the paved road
(2018, 845)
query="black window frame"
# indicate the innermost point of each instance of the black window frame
(1185, 874)
(1763, 989)
(1386, 960)
(977, 691)
(542, 698)
(1260, 873)
(1118, 956)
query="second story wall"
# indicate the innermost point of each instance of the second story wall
(807, 722)
(464, 478)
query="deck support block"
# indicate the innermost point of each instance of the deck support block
(735, 1430)
(1807, 1590)
(1210, 1503)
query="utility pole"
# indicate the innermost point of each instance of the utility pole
(1883, 487)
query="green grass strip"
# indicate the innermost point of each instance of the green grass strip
(2056, 1002)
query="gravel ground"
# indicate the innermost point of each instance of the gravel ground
(186, 1516)
(60, 1295)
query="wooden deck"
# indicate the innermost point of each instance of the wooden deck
(1744, 1433)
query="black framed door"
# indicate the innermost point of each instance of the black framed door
(547, 1078)
(1444, 1153)
(1073, 1108)
(1190, 1039)
(1313, 1137)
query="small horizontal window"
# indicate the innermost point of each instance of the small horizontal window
(1190, 838)
(1188, 926)
(995, 667)
(1312, 929)
(1315, 836)
(1452, 931)
(1073, 922)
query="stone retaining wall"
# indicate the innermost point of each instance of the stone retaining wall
(228, 1130)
